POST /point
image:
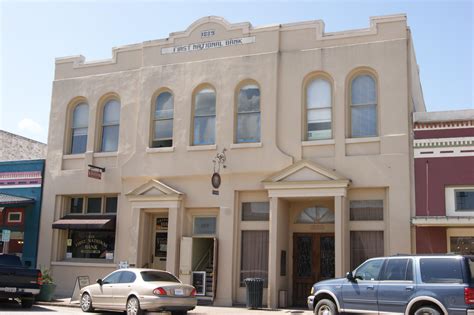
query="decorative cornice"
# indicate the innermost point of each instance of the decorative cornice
(443, 221)
(443, 125)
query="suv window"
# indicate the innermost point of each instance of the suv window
(370, 270)
(470, 261)
(398, 270)
(441, 270)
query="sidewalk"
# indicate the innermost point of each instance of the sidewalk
(200, 310)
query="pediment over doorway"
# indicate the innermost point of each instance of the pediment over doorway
(154, 190)
(305, 170)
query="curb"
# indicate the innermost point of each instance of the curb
(58, 303)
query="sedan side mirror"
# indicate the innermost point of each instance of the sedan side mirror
(350, 277)
(99, 281)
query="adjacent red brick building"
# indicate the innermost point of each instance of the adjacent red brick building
(444, 182)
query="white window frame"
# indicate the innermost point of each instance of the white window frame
(156, 120)
(376, 105)
(15, 221)
(450, 201)
(104, 125)
(67, 204)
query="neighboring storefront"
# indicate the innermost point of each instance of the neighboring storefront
(306, 136)
(20, 208)
(444, 176)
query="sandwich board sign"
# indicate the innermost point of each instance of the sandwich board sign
(81, 282)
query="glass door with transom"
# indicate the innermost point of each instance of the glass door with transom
(313, 261)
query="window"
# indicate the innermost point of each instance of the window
(363, 106)
(398, 270)
(112, 278)
(365, 245)
(90, 244)
(248, 114)
(314, 215)
(163, 121)
(80, 123)
(254, 256)
(205, 117)
(366, 210)
(465, 200)
(318, 110)
(462, 245)
(127, 277)
(255, 211)
(441, 270)
(157, 276)
(14, 217)
(92, 205)
(370, 270)
(110, 126)
(205, 225)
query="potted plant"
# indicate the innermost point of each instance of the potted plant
(47, 288)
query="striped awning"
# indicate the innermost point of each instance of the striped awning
(6, 200)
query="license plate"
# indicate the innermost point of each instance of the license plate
(10, 289)
(178, 292)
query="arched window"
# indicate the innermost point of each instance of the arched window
(248, 114)
(163, 121)
(318, 109)
(205, 117)
(314, 215)
(80, 124)
(363, 106)
(110, 126)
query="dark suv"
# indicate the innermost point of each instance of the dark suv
(411, 285)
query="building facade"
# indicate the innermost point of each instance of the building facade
(15, 147)
(310, 133)
(444, 176)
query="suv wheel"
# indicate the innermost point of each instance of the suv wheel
(325, 307)
(427, 310)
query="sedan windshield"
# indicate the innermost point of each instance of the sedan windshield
(151, 276)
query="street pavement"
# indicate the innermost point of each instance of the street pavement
(15, 309)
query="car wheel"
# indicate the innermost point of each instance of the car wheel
(133, 306)
(427, 310)
(27, 302)
(86, 303)
(325, 307)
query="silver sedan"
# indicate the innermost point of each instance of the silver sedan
(135, 290)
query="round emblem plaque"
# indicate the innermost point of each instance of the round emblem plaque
(216, 180)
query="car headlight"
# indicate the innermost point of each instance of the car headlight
(312, 290)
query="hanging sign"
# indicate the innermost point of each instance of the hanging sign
(218, 161)
(95, 171)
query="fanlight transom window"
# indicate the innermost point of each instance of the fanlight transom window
(315, 214)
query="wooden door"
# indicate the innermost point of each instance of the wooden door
(313, 261)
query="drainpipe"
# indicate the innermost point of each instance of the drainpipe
(427, 170)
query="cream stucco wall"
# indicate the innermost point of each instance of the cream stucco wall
(279, 61)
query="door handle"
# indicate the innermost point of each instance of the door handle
(370, 287)
(409, 288)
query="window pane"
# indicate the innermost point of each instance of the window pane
(366, 210)
(205, 225)
(155, 276)
(111, 113)
(111, 204)
(248, 127)
(94, 205)
(370, 270)
(162, 143)
(79, 140)
(110, 135)
(254, 256)
(91, 244)
(80, 117)
(314, 215)
(204, 130)
(249, 99)
(462, 245)
(364, 121)
(319, 124)
(164, 106)
(365, 245)
(163, 129)
(14, 216)
(396, 270)
(363, 90)
(430, 270)
(318, 94)
(205, 103)
(255, 211)
(76, 205)
(465, 200)
(127, 277)
(113, 278)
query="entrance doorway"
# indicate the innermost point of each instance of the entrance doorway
(160, 242)
(313, 261)
(198, 265)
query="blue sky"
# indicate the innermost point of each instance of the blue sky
(34, 33)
